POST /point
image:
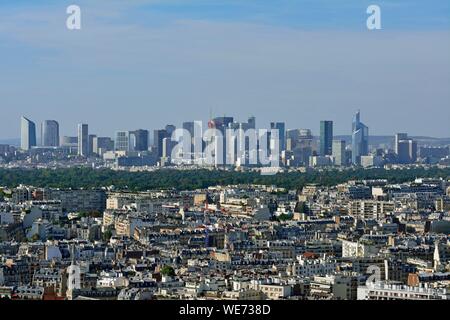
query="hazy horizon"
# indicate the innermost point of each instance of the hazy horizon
(148, 63)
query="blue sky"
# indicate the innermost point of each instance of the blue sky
(404, 14)
(145, 63)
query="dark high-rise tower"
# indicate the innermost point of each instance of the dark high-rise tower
(170, 129)
(158, 137)
(398, 138)
(221, 123)
(83, 140)
(140, 140)
(326, 138)
(405, 148)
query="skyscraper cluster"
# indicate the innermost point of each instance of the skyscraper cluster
(297, 147)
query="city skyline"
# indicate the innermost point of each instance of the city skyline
(226, 141)
(69, 127)
(63, 131)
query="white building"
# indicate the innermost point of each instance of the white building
(390, 291)
(358, 249)
(313, 267)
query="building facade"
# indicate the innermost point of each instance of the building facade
(326, 138)
(50, 133)
(360, 139)
(27, 134)
(83, 140)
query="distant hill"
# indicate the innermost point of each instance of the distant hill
(11, 142)
(389, 140)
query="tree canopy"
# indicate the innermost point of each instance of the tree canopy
(195, 179)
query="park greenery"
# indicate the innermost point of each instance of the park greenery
(195, 179)
(168, 271)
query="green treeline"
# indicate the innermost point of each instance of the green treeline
(194, 179)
